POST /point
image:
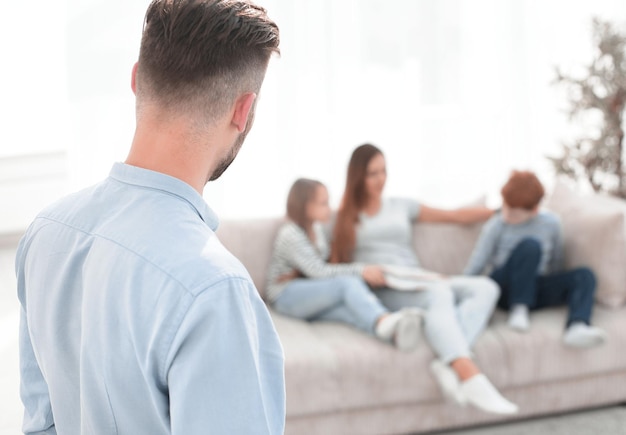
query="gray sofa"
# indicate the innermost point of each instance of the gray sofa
(341, 381)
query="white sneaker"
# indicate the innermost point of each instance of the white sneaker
(581, 335)
(402, 327)
(448, 381)
(518, 318)
(481, 393)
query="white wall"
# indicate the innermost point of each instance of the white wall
(456, 93)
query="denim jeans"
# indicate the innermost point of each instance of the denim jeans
(457, 310)
(520, 283)
(344, 299)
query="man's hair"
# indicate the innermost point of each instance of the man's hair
(302, 192)
(198, 56)
(522, 190)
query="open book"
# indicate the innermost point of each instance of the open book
(409, 278)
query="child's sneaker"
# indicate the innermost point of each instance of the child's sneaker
(401, 327)
(518, 318)
(581, 335)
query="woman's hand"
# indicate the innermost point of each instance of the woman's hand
(374, 276)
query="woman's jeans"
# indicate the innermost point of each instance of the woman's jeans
(457, 310)
(521, 283)
(344, 299)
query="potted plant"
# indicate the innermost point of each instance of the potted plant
(598, 97)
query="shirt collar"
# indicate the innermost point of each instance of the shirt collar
(156, 180)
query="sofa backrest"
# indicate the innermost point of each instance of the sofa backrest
(251, 241)
(594, 229)
(443, 248)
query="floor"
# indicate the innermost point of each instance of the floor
(10, 405)
(606, 421)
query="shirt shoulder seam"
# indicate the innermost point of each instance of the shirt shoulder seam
(203, 283)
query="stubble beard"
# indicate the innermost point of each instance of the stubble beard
(234, 150)
(226, 161)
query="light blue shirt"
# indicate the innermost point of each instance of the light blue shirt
(136, 320)
(498, 239)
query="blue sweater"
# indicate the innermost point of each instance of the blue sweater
(498, 239)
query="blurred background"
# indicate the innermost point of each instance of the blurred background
(457, 93)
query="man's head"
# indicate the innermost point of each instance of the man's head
(199, 57)
(521, 196)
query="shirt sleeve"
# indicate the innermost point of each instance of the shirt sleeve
(302, 255)
(226, 369)
(484, 249)
(413, 208)
(38, 418)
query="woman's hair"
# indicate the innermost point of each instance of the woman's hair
(522, 190)
(353, 201)
(199, 55)
(301, 193)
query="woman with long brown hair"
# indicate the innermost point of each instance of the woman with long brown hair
(302, 284)
(372, 229)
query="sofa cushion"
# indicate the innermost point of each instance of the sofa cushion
(539, 356)
(594, 236)
(331, 367)
(446, 248)
(311, 367)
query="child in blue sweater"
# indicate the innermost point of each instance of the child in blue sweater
(521, 248)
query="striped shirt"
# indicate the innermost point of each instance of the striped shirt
(294, 251)
(498, 239)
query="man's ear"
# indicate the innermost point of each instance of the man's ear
(133, 78)
(243, 105)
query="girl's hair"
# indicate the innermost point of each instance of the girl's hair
(301, 193)
(522, 190)
(353, 201)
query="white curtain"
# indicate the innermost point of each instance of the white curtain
(455, 92)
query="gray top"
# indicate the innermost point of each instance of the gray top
(294, 251)
(387, 236)
(498, 239)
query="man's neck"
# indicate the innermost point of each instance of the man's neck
(166, 147)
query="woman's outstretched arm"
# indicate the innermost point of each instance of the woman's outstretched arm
(465, 215)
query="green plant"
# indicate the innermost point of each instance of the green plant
(600, 97)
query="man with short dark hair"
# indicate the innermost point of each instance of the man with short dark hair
(135, 319)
